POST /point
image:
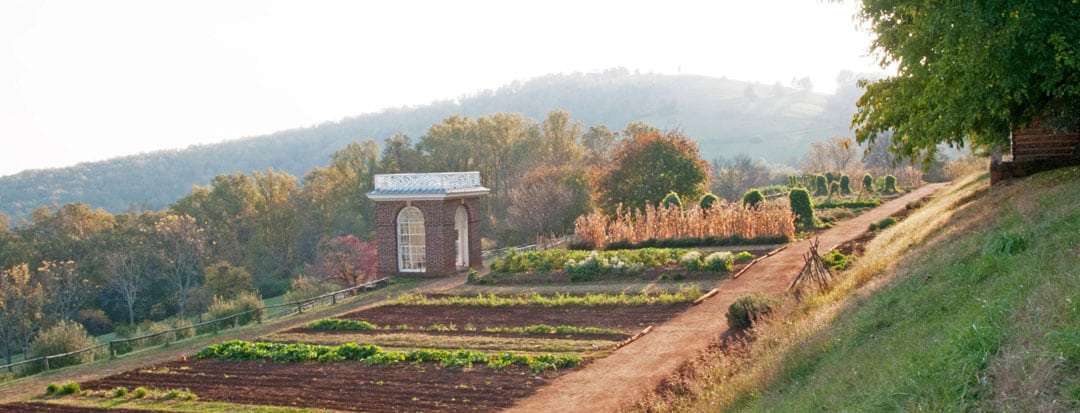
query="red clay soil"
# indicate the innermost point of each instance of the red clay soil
(614, 382)
(31, 386)
(620, 317)
(27, 407)
(348, 386)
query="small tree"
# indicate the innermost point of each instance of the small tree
(868, 183)
(64, 337)
(845, 185)
(225, 281)
(345, 260)
(803, 207)
(834, 188)
(672, 198)
(752, 199)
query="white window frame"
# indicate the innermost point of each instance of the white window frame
(461, 243)
(411, 237)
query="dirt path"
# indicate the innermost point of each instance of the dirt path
(35, 385)
(608, 384)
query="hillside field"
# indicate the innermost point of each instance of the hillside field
(972, 303)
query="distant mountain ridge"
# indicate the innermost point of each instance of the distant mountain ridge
(724, 116)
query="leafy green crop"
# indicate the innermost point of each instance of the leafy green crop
(341, 324)
(238, 350)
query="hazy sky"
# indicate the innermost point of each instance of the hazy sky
(90, 80)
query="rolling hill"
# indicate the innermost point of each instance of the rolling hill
(725, 116)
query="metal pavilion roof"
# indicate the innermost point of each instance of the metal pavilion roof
(427, 186)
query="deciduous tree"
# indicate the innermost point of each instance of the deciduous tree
(647, 166)
(968, 72)
(182, 246)
(547, 200)
(65, 288)
(21, 301)
(345, 260)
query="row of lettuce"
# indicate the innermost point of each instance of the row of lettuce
(238, 350)
(588, 265)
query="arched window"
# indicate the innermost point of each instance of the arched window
(461, 226)
(410, 230)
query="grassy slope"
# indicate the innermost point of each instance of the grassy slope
(951, 323)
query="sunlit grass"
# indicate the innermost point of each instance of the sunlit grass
(931, 318)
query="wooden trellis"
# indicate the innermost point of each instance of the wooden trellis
(815, 274)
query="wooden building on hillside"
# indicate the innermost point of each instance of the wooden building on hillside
(427, 223)
(1035, 149)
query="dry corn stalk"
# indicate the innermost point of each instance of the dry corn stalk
(722, 220)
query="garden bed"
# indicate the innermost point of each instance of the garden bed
(349, 386)
(513, 346)
(654, 265)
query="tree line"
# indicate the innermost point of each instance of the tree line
(73, 262)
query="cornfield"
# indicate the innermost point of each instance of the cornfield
(722, 220)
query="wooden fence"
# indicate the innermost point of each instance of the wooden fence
(164, 338)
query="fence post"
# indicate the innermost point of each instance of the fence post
(46, 363)
(112, 349)
(333, 299)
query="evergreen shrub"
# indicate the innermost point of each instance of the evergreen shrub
(752, 199)
(670, 199)
(707, 201)
(845, 185)
(748, 309)
(802, 206)
(890, 184)
(821, 185)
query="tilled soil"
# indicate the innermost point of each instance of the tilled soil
(613, 316)
(349, 386)
(459, 332)
(30, 407)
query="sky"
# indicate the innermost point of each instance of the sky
(90, 80)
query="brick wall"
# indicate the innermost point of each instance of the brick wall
(1039, 142)
(439, 234)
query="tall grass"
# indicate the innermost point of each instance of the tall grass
(722, 220)
(934, 317)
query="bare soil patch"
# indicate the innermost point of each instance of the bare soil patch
(24, 407)
(348, 386)
(606, 316)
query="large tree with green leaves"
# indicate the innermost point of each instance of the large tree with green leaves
(648, 165)
(968, 71)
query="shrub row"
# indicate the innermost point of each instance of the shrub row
(238, 350)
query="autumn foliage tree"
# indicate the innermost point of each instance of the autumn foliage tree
(21, 301)
(647, 166)
(345, 260)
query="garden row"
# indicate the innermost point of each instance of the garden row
(647, 264)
